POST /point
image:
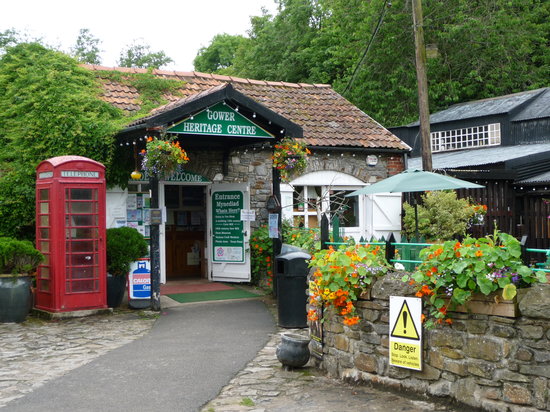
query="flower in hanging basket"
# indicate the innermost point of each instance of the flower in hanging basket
(290, 157)
(162, 157)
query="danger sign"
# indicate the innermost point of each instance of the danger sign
(406, 332)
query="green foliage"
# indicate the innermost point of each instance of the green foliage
(86, 48)
(124, 246)
(485, 48)
(219, 56)
(140, 55)
(304, 238)
(18, 256)
(451, 272)
(441, 216)
(341, 275)
(261, 251)
(50, 107)
(151, 88)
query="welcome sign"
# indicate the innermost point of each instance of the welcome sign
(219, 120)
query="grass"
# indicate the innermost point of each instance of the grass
(247, 402)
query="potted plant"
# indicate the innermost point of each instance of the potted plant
(162, 157)
(124, 246)
(290, 157)
(452, 273)
(18, 262)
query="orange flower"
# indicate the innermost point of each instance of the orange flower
(312, 315)
(457, 245)
(426, 290)
(417, 294)
(422, 318)
(351, 321)
(438, 251)
(457, 254)
(449, 321)
(149, 139)
(479, 253)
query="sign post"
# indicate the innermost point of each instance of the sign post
(406, 332)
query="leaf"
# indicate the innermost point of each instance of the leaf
(509, 291)
(485, 285)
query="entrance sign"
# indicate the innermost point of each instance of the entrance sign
(219, 120)
(406, 332)
(229, 236)
(181, 175)
(227, 226)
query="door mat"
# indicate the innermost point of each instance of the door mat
(174, 289)
(233, 293)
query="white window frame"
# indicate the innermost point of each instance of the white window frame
(327, 181)
(466, 138)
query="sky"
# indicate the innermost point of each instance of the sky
(177, 27)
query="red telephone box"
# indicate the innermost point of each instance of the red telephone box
(70, 232)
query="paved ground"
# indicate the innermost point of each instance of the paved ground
(129, 361)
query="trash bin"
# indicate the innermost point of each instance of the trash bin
(285, 249)
(291, 273)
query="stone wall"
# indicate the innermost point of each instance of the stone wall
(490, 362)
(254, 165)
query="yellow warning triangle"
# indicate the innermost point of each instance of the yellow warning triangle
(404, 326)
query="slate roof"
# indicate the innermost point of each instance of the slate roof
(497, 105)
(327, 118)
(479, 157)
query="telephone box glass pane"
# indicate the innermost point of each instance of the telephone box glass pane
(44, 220)
(44, 246)
(44, 207)
(81, 207)
(44, 272)
(44, 233)
(81, 259)
(82, 233)
(83, 194)
(82, 246)
(44, 194)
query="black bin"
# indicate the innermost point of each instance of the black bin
(291, 271)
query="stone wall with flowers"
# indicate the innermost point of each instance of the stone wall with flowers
(491, 362)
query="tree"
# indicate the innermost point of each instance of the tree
(50, 107)
(140, 55)
(86, 48)
(219, 56)
(485, 48)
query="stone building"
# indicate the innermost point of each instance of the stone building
(231, 161)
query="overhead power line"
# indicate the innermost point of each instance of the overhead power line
(386, 5)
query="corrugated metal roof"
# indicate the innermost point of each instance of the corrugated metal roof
(542, 178)
(479, 157)
(480, 108)
(536, 109)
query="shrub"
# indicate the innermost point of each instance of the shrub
(262, 249)
(18, 256)
(124, 246)
(441, 216)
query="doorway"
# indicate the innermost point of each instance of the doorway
(185, 231)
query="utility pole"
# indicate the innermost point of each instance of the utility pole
(422, 80)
